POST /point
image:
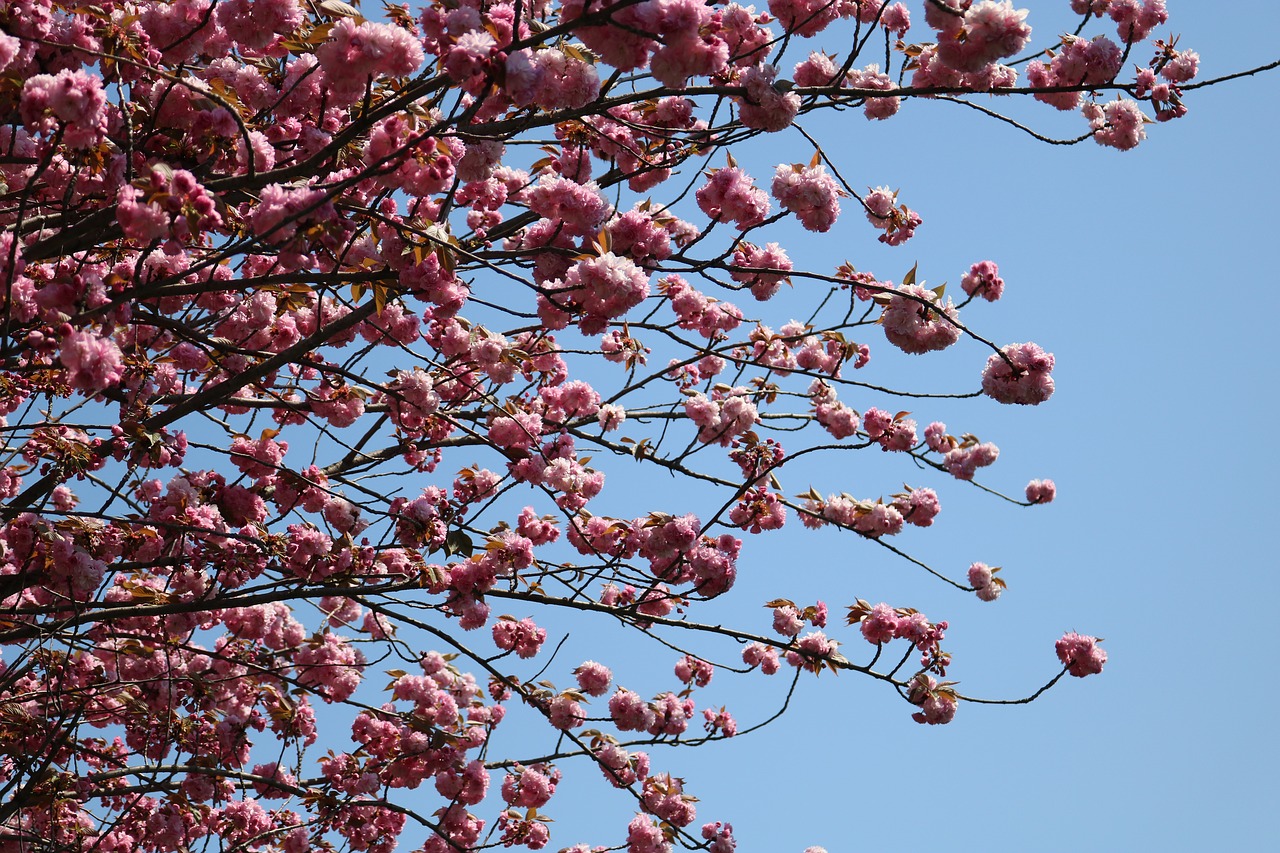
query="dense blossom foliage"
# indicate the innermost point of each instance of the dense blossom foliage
(332, 334)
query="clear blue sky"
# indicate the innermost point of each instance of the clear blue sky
(1151, 276)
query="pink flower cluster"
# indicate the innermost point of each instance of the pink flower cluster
(94, 363)
(765, 657)
(763, 105)
(1019, 374)
(699, 312)
(898, 221)
(937, 702)
(835, 417)
(916, 320)
(963, 460)
(173, 205)
(808, 192)
(731, 194)
(593, 678)
(983, 279)
(918, 506)
(576, 209)
(749, 258)
(877, 107)
(726, 415)
(805, 17)
(331, 666)
(987, 31)
(524, 637)
(70, 101)
(694, 671)
(1079, 63)
(1135, 19)
(1041, 491)
(600, 289)
(812, 652)
(1080, 654)
(357, 52)
(891, 432)
(984, 582)
(1117, 124)
(411, 400)
(882, 623)
(620, 767)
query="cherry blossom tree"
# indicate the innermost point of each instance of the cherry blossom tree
(323, 327)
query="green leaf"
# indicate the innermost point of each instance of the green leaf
(458, 542)
(910, 278)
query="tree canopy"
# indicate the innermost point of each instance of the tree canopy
(341, 347)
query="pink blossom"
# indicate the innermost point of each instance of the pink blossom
(812, 651)
(751, 258)
(524, 637)
(763, 105)
(876, 107)
(919, 507)
(880, 625)
(1181, 67)
(935, 436)
(331, 666)
(804, 17)
(1081, 654)
(937, 701)
(787, 621)
(916, 320)
(963, 462)
(1041, 491)
(817, 70)
(984, 583)
(645, 836)
(896, 18)
(530, 787)
(70, 100)
(10, 47)
(1135, 19)
(578, 209)
(620, 767)
(593, 678)
(600, 288)
(551, 79)
(93, 363)
(721, 837)
(720, 420)
(983, 279)
(611, 416)
(359, 51)
(281, 210)
(630, 712)
(255, 25)
(1019, 374)
(765, 657)
(693, 670)
(991, 31)
(1118, 124)
(731, 194)
(688, 46)
(898, 221)
(720, 721)
(837, 418)
(878, 520)
(808, 192)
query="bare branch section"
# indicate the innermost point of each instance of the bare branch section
(323, 326)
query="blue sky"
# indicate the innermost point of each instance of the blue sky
(1150, 275)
